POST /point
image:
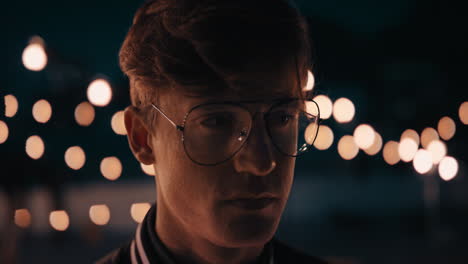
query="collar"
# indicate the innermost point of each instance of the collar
(147, 248)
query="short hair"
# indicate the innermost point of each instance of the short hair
(203, 46)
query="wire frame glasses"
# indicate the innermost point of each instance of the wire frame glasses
(213, 133)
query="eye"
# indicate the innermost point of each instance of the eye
(282, 118)
(218, 121)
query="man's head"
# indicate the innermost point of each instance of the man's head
(183, 53)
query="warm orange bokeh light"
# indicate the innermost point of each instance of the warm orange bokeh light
(407, 149)
(23, 218)
(364, 135)
(343, 110)
(347, 147)
(428, 135)
(446, 128)
(448, 168)
(42, 111)
(99, 214)
(35, 147)
(84, 114)
(34, 57)
(412, 134)
(438, 150)
(139, 210)
(59, 220)
(11, 105)
(390, 152)
(75, 157)
(376, 146)
(99, 92)
(325, 106)
(117, 123)
(4, 132)
(463, 113)
(148, 169)
(324, 138)
(422, 161)
(111, 168)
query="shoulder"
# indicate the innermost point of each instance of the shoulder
(286, 254)
(118, 256)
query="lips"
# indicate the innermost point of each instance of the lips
(252, 204)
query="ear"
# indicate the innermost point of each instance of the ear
(139, 136)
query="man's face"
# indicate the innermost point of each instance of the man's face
(200, 198)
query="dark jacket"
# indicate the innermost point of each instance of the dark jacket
(147, 248)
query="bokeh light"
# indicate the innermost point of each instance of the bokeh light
(118, 124)
(446, 128)
(422, 161)
(84, 114)
(59, 220)
(111, 168)
(310, 82)
(325, 106)
(4, 132)
(311, 133)
(448, 168)
(35, 147)
(412, 134)
(148, 169)
(347, 147)
(390, 152)
(343, 110)
(11, 105)
(139, 210)
(407, 149)
(42, 111)
(99, 92)
(463, 112)
(99, 214)
(428, 135)
(364, 135)
(324, 138)
(75, 157)
(22, 218)
(34, 57)
(376, 146)
(438, 150)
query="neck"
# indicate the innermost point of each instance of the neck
(186, 246)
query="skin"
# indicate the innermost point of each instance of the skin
(194, 220)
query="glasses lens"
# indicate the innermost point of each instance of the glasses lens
(215, 132)
(293, 126)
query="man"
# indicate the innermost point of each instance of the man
(218, 110)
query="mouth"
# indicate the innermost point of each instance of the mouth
(252, 204)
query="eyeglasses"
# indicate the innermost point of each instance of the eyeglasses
(213, 133)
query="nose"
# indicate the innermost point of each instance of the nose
(256, 156)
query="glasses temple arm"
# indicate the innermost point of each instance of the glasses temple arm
(162, 113)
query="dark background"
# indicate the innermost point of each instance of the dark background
(402, 62)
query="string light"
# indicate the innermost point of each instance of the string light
(310, 82)
(446, 128)
(3, 132)
(412, 134)
(11, 105)
(99, 92)
(324, 138)
(139, 210)
(34, 57)
(42, 111)
(407, 149)
(428, 135)
(347, 147)
(118, 124)
(75, 157)
(343, 110)
(422, 161)
(438, 151)
(448, 168)
(84, 114)
(376, 146)
(111, 168)
(148, 169)
(99, 214)
(22, 218)
(325, 106)
(463, 113)
(390, 152)
(364, 135)
(59, 220)
(35, 147)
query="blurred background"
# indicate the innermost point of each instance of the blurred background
(385, 183)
